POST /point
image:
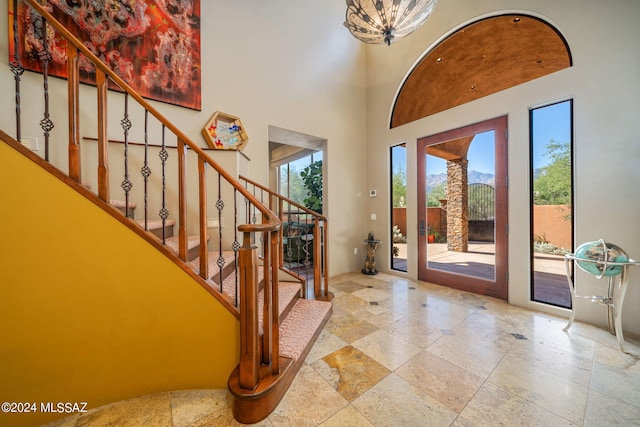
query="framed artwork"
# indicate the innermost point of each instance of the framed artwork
(153, 45)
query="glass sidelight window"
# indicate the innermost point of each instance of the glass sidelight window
(398, 207)
(551, 201)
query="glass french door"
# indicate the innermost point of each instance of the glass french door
(462, 208)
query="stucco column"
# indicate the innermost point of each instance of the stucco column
(457, 205)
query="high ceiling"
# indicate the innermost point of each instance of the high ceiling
(480, 59)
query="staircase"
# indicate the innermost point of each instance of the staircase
(300, 320)
(240, 266)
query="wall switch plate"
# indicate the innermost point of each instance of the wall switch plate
(374, 217)
(355, 251)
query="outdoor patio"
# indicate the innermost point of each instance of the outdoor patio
(478, 261)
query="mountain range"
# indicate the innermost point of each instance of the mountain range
(473, 177)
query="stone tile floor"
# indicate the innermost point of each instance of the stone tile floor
(403, 353)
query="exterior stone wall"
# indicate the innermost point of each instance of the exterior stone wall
(443, 217)
(457, 206)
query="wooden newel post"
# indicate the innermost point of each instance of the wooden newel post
(249, 367)
(317, 263)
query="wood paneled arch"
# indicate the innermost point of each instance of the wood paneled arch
(480, 59)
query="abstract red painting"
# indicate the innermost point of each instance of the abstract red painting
(154, 45)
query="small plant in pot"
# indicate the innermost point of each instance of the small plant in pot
(312, 181)
(431, 235)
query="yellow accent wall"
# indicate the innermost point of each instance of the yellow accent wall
(89, 311)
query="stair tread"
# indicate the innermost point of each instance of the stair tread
(192, 242)
(213, 256)
(121, 203)
(301, 325)
(154, 224)
(229, 283)
(287, 292)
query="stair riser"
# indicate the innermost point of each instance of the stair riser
(193, 253)
(130, 213)
(226, 271)
(287, 309)
(168, 232)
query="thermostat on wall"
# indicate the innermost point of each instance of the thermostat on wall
(373, 193)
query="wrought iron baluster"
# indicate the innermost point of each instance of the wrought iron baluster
(45, 57)
(164, 213)
(17, 69)
(126, 125)
(254, 219)
(220, 206)
(146, 171)
(236, 244)
(288, 237)
(247, 211)
(304, 244)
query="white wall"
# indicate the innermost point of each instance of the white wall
(285, 63)
(603, 39)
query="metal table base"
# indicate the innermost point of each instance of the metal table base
(617, 288)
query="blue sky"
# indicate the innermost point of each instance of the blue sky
(481, 156)
(552, 122)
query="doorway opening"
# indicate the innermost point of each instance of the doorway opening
(297, 167)
(298, 173)
(462, 208)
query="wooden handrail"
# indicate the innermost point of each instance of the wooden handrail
(151, 145)
(320, 270)
(280, 196)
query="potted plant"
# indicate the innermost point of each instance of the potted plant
(431, 235)
(312, 181)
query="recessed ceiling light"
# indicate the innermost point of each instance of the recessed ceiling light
(516, 19)
(439, 60)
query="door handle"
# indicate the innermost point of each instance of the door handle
(421, 228)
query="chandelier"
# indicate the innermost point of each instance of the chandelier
(378, 21)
